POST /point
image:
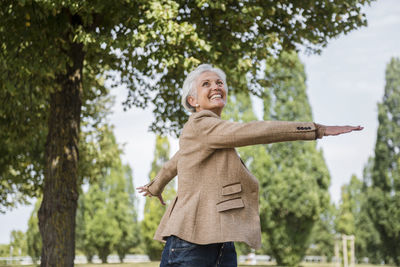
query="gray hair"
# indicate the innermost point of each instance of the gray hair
(189, 85)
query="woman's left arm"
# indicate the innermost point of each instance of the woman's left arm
(217, 133)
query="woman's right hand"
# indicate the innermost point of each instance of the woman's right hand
(145, 190)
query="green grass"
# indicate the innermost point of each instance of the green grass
(144, 264)
(156, 264)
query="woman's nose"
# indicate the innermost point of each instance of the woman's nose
(214, 86)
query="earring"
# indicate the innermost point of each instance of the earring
(197, 105)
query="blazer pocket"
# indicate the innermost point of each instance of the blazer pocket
(231, 189)
(230, 204)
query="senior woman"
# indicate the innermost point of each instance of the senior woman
(217, 199)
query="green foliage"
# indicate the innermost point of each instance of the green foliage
(323, 235)
(22, 137)
(160, 40)
(4, 250)
(345, 221)
(353, 218)
(293, 176)
(33, 238)
(22, 146)
(101, 228)
(18, 243)
(83, 217)
(98, 154)
(123, 203)
(383, 194)
(97, 149)
(368, 243)
(153, 210)
(106, 217)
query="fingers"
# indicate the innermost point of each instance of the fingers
(142, 189)
(161, 199)
(337, 130)
(354, 128)
(345, 130)
(146, 192)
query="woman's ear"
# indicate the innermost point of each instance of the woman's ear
(192, 101)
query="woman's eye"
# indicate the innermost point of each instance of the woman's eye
(206, 83)
(220, 83)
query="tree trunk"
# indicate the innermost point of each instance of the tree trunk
(103, 254)
(60, 192)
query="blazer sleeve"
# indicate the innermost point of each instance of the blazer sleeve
(164, 176)
(218, 133)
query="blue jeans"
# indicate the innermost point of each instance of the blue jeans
(180, 253)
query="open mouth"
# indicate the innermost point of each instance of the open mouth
(217, 96)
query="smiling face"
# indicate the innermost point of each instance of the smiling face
(211, 93)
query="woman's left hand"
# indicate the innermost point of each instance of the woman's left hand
(336, 130)
(146, 192)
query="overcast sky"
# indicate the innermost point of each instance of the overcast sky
(344, 83)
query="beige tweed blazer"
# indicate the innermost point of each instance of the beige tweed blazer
(217, 198)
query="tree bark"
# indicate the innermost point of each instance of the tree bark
(60, 192)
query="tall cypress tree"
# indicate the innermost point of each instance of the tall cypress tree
(384, 194)
(294, 184)
(322, 238)
(122, 193)
(122, 203)
(368, 243)
(106, 217)
(345, 221)
(33, 238)
(153, 210)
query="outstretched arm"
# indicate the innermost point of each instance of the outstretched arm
(164, 176)
(218, 134)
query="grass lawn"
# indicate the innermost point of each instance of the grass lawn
(156, 264)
